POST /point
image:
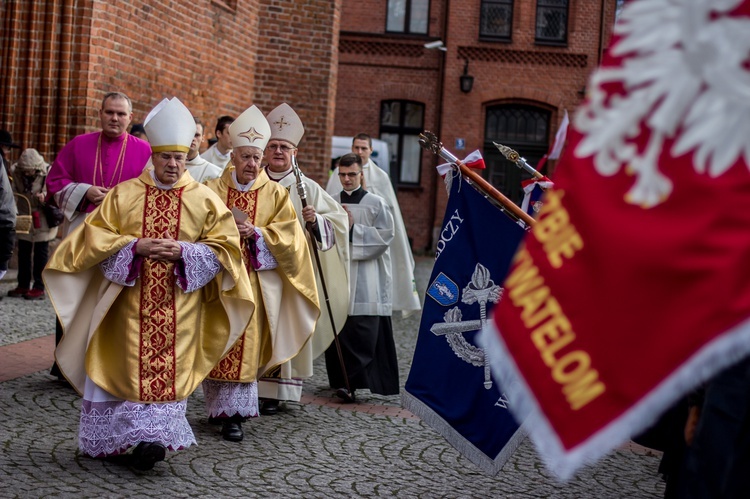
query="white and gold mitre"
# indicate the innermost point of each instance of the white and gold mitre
(285, 124)
(170, 126)
(250, 129)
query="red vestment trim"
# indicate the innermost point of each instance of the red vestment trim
(230, 366)
(158, 315)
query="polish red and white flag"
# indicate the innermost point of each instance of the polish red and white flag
(473, 160)
(557, 146)
(634, 285)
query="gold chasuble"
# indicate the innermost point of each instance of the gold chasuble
(285, 317)
(151, 342)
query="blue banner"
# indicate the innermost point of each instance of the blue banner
(449, 385)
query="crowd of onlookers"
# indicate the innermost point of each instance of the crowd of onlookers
(25, 217)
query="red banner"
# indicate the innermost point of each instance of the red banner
(634, 286)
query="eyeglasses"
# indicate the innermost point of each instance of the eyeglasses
(179, 158)
(280, 147)
(350, 174)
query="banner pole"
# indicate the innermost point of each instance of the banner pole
(513, 156)
(346, 393)
(429, 141)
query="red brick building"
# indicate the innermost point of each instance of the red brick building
(346, 66)
(529, 61)
(59, 57)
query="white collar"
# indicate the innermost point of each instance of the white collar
(241, 187)
(164, 187)
(218, 153)
(278, 176)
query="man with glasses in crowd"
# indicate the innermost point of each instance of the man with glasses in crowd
(405, 297)
(330, 228)
(367, 344)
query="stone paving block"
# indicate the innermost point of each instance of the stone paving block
(319, 448)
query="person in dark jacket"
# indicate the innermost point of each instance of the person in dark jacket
(7, 204)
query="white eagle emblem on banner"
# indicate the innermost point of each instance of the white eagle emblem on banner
(685, 79)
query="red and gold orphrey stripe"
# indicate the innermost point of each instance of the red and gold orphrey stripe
(158, 316)
(229, 368)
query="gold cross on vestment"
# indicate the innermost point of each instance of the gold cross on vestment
(281, 123)
(251, 134)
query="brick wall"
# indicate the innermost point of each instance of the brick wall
(297, 63)
(43, 55)
(62, 56)
(59, 57)
(376, 65)
(522, 71)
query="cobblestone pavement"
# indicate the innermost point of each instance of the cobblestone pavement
(317, 448)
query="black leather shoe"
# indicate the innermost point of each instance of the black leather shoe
(344, 395)
(215, 421)
(147, 454)
(269, 407)
(232, 430)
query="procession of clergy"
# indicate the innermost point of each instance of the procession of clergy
(162, 284)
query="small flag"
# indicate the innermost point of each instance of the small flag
(533, 189)
(473, 160)
(562, 133)
(449, 385)
(557, 146)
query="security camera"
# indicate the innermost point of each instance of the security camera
(437, 44)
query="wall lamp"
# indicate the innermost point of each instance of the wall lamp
(466, 80)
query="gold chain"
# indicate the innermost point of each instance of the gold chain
(119, 165)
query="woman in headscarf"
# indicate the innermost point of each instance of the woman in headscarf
(30, 174)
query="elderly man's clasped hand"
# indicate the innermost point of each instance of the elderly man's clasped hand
(165, 249)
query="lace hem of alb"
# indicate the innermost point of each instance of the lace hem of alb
(230, 399)
(110, 428)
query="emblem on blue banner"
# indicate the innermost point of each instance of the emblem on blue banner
(482, 289)
(443, 290)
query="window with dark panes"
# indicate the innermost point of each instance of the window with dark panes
(552, 21)
(520, 127)
(496, 19)
(408, 16)
(401, 122)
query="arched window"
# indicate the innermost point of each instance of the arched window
(522, 127)
(401, 122)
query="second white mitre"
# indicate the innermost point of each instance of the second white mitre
(250, 129)
(286, 124)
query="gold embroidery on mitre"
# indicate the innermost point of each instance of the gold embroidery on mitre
(251, 134)
(158, 316)
(281, 123)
